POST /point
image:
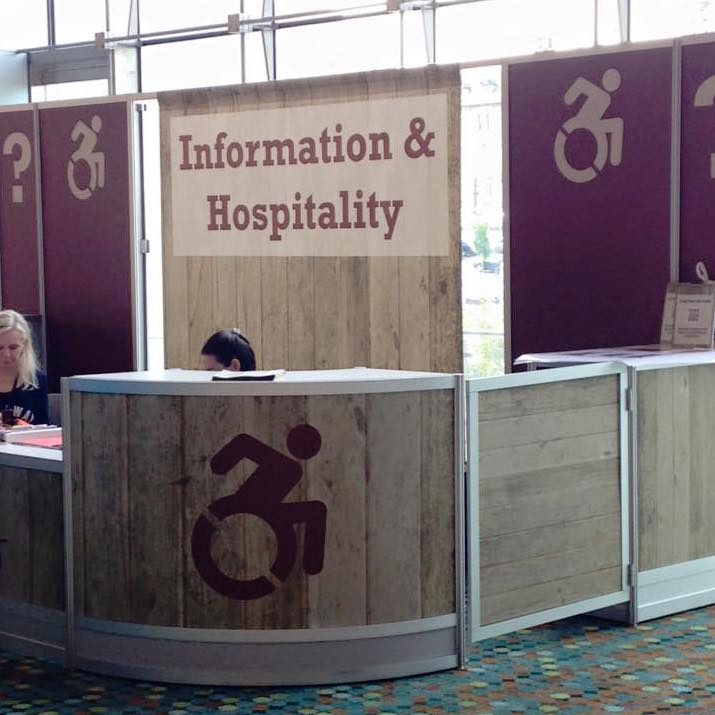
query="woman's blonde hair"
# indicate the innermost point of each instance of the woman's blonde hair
(27, 362)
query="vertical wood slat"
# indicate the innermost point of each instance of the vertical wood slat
(445, 276)
(648, 425)
(207, 426)
(393, 533)
(15, 574)
(46, 539)
(336, 477)
(31, 534)
(249, 282)
(108, 583)
(437, 510)
(174, 268)
(321, 312)
(287, 605)
(701, 497)
(415, 312)
(274, 272)
(675, 456)
(156, 537)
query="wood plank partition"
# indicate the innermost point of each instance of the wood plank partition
(385, 472)
(549, 496)
(32, 566)
(319, 312)
(676, 454)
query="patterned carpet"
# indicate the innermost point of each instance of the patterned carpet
(579, 665)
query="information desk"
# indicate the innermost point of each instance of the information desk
(672, 461)
(32, 580)
(306, 530)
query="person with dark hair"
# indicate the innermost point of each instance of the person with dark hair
(228, 350)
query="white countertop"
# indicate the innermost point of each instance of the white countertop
(22, 457)
(199, 382)
(638, 356)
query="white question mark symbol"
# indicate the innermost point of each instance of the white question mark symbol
(21, 163)
(704, 97)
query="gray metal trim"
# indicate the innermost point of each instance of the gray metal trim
(31, 458)
(278, 388)
(675, 128)
(506, 226)
(68, 520)
(633, 483)
(460, 549)
(266, 636)
(278, 663)
(32, 630)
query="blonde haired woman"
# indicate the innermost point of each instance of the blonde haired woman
(23, 389)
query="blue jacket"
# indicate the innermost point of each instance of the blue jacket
(30, 405)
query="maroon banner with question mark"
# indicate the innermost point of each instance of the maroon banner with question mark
(19, 259)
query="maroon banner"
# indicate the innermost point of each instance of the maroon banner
(589, 188)
(87, 239)
(19, 269)
(697, 160)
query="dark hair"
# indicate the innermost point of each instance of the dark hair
(229, 344)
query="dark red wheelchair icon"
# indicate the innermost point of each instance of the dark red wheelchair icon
(262, 495)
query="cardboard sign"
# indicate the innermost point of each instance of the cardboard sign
(694, 316)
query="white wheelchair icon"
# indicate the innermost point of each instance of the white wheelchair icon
(87, 136)
(608, 132)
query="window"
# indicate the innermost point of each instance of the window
(503, 28)
(414, 52)
(255, 58)
(192, 63)
(368, 43)
(657, 19)
(482, 219)
(23, 25)
(609, 20)
(157, 15)
(78, 20)
(291, 7)
(70, 90)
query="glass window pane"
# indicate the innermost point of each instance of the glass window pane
(23, 24)
(78, 20)
(291, 7)
(414, 53)
(193, 63)
(255, 58)
(69, 90)
(658, 19)
(502, 28)
(156, 15)
(120, 24)
(482, 218)
(609, 22)
(337, 47)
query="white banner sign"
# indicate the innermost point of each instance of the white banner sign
(364, 178)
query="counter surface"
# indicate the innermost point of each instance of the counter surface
(40, 458)
(299, 382)
(638, 356)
